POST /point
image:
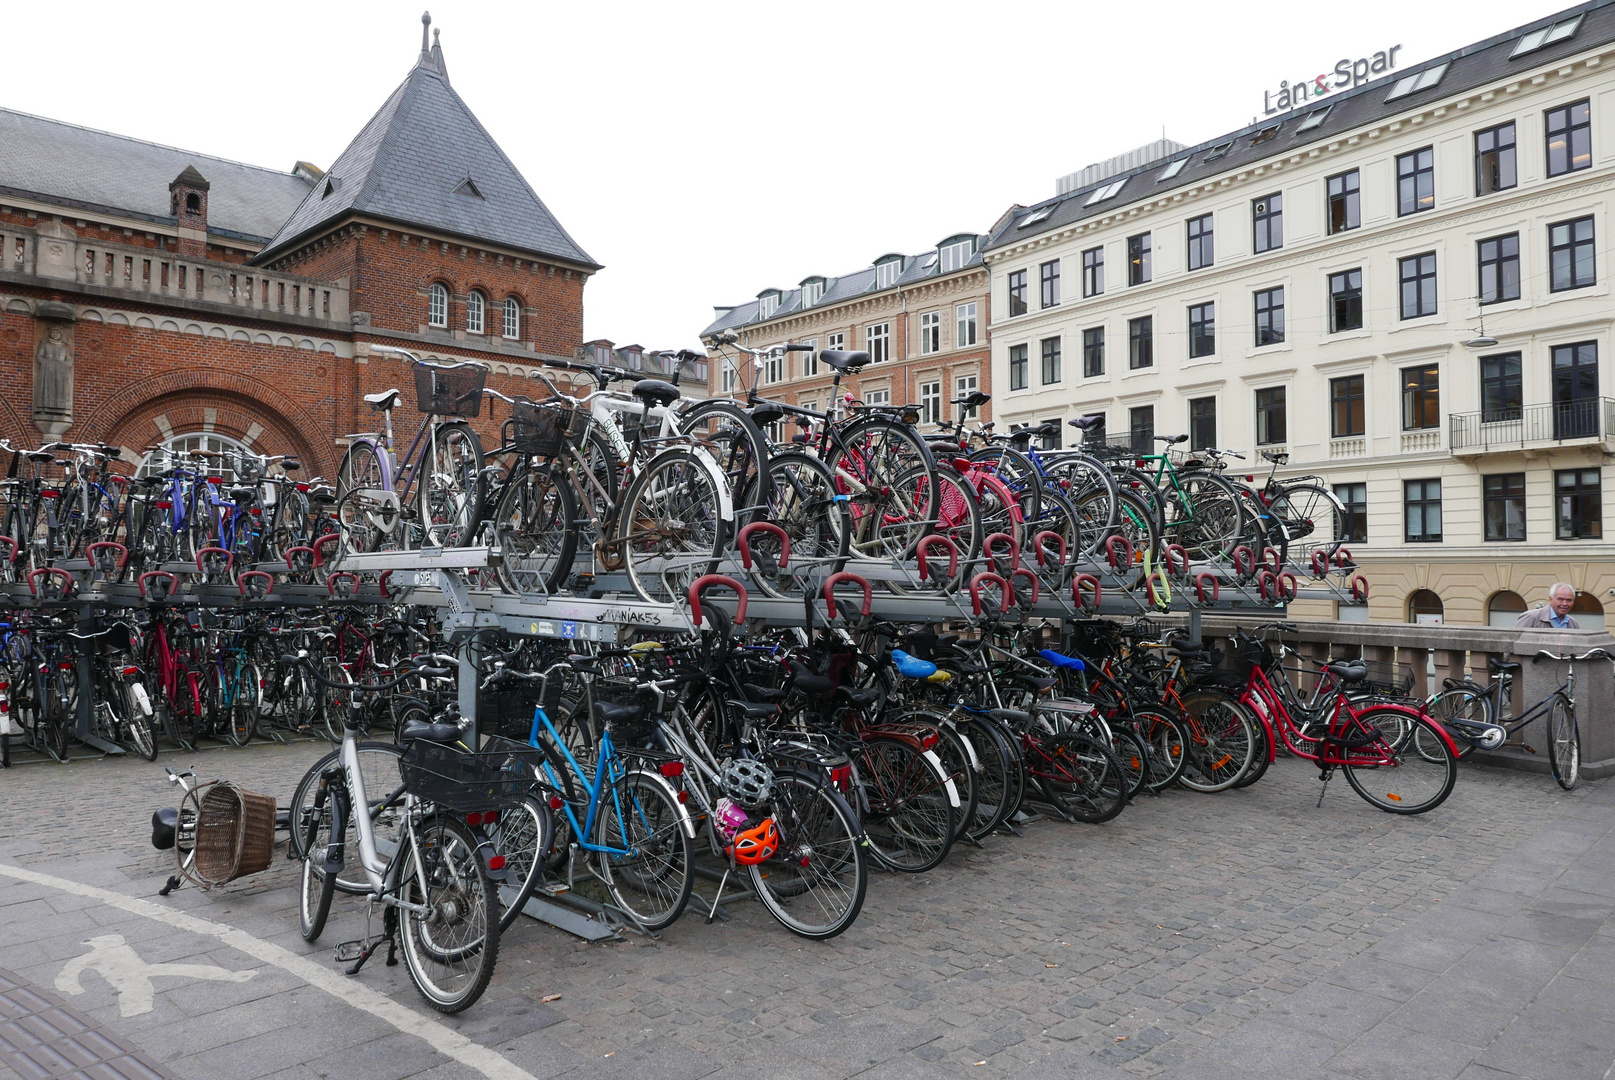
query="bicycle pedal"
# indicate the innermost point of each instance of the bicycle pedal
(557, 889)
(349, 951)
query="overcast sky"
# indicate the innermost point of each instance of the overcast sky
(704, 151)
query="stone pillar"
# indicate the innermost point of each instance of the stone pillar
(53, 368)
(1594, 691)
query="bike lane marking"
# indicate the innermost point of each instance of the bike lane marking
(444, 1040)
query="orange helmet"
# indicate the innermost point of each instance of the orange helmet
(756, 844)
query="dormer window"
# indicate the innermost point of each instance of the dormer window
(1267, 134)
(812, 291)
(476, 308)
(887, 273)
(1419, 80)
(1547, 35)
(955, 253)
(437, 307)
(1107, 192)
(767, 304)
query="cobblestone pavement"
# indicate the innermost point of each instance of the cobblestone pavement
(1251, 930)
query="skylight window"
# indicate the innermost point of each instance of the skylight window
(1419, 80)
(1547, 35)
(1172, 170)
(1107, 192)
(1266, 134)
(1040, 214)
(1314, 118)
(1219, 150)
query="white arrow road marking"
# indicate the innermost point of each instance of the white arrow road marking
(444, 1040)
(116, 962)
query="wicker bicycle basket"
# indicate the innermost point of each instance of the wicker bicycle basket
(543, 430)
(235, 834)
(496, 778)
(450, 389)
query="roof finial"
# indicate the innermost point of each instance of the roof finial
(426, 22)
(437, 55)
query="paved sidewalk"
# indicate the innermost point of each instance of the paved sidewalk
(1251, 934)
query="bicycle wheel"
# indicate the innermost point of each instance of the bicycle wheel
(334, 703)
(535, 532)
(814, 885)
(1400, 781)
(890, 477)
(522, 836)
(672, 528)
(384, 787)
(1261, 753)
(1166, 741)
(1203, 514)
(1221, 742)
(955, 513)
(1081, 776)
(1564, 742)
(912, 811)
(994, 783)
(142, 739)
(1460, 711)
(318, 885)
(451, 949)
(958, 759)
(243, 722)
(649, 861)
(1134, 758)
(1313, 518)
(803, 504)
(738, 445)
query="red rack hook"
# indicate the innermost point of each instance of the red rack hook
(1244, 561)
(1201, 580)
(1014, 550)
(1320, 565)
(850, 577)
(120, 553)
(344, 576)
(1359, 588)
(323, 542)
(743, 540)
(1042, 552)
(52, 572)
(931, 541)
(1126, 545)
(1089, 582)
(1271, 560)
(255, 575)
(1176, 558)
(706, 581)
(167, 590)
(1006, 595)
(1013, 574)
(229, 558)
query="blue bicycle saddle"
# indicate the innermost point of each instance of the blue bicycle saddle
(1061, 660)
(912, 667)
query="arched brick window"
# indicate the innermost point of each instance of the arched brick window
(513, 318)
(437, 308)
(476, 308)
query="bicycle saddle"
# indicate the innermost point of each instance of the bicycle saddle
(1496, 666)
(807, 682)
(763, 693)
(752, 710)
(1349, 670)
(860, 696)
(1036, 682)
(1086, 422)
(655, 392)
(607, 713)
(430, 732)
(844, 359)
(911, 667)
(383, 401)
(974, 399)
(766, 413)
(1061, 660)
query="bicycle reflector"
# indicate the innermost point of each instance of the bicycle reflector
(496, 863)
(671, 769)
(841, 776)
(756, 844)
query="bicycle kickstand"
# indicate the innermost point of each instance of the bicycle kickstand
(170, 885)
(1324, 775)
(719, 895)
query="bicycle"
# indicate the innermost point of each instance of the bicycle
(1470, 714)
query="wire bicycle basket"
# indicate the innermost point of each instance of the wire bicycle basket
(542, 430)
(496, 778)
(450, 389)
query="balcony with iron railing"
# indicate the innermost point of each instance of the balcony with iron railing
(1588, 421)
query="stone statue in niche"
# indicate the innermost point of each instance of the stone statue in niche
(53, 382)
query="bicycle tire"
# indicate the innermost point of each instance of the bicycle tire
(743, 452)
(1564, 742)
(535, 532)
(1080, 776)
(523, 836)
(244, 705)
(651, 881)
(1314, 519)
(1423, 787)
(1021, 475)
(1133, 756)
(448, 506)
(814, 886)
(1452, 709)
(317, 884)
(959, 761)
(889, 519)
(1166, 739)
(460, 935)
(1221, 743)
(910, 821)
(995, 772)
(1261, 756)
(383, 781)
(673, 516)
(957, 516)
(803, 503)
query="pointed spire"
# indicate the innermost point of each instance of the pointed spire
(426, 24)
(437, 56)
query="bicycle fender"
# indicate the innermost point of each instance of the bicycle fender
(953, 790)
(1409, 711)
(335, 856)
(685, 821)
(720, 483)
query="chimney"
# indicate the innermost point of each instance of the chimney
(187, 200)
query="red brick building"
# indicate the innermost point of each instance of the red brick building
(149, 294)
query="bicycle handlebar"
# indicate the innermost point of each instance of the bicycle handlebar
(414, 672)
(1567, 658)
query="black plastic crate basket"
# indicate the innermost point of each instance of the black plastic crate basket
(1232, 662)
(1386, 680)
(544, 429)
(497, 778)
(450, 389)
(616, 691)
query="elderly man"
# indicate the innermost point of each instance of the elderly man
(1556, 615)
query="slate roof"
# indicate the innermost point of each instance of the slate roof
(80, 168)
(916, 268)
(409, 165)
(1475, 65)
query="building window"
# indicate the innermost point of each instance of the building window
(1346, 407)
(956, 254)
(1141, 342)
(1017, 293)
(1418, 276)
(1421, 504)
(1202, 422)
(1269, 316)
(887, 273)
(475, 309)
(1138, 259)
(1570, 138)
(1570, 254)
(1141, 428)
(1049, 279)
(1202, 330)
(1577, 408)
(1093, 271)
(1202, 249)
(964, 386)
(931, 403)
(812, 293)
(1271, 428)
(836, 341)
(767, 304)
(513, 318)
(810, 359)
(1499, 268)
(1494, 159)
(1345, 210)
(878, 397)
(930, 332)
(1503, 506)
(1578, 504)
(1267, 223)
(1051, 442)
(1346, 301)
(878, 342)
(437, 308)
(774, 368)
(1093, 352)
(1354, 497)
(964, 325)
(1017, 367)
(1416, 182)
(1421, 397)
(1501, 397)
(727, 379)
(1051, 360)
